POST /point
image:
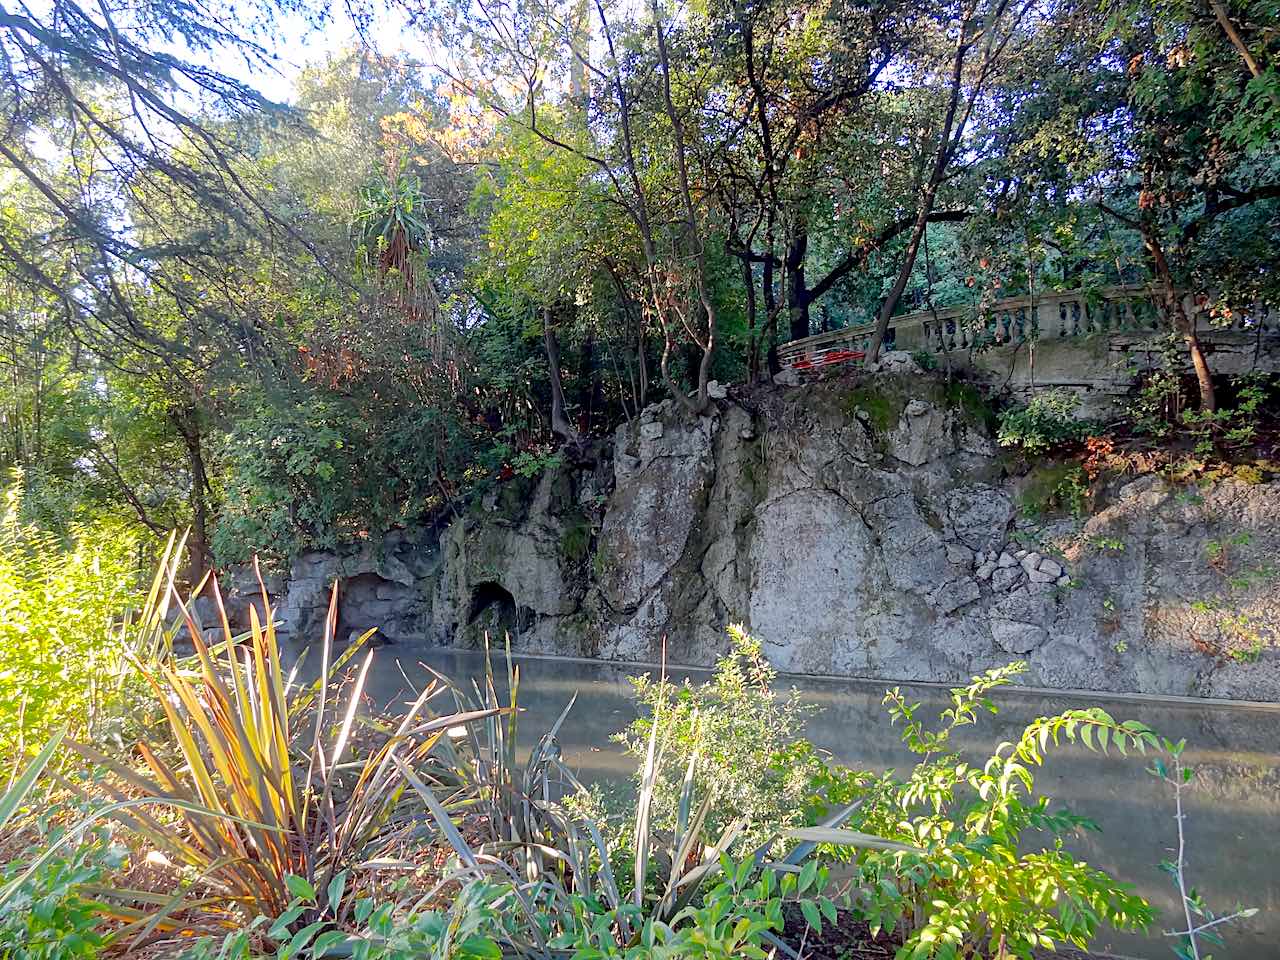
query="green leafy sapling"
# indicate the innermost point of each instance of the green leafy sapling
(1201, 924)
(968, 885)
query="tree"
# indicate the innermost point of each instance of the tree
(971, 41)
(635, 136)
(792, 85)
(1165, 128)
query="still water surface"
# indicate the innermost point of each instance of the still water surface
(1233, 814)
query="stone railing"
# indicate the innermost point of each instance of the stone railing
(1073, 313)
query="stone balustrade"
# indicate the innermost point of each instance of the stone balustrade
(1054, 315)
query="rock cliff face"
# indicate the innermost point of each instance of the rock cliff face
(860, 529)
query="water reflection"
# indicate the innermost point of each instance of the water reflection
(1231, 814)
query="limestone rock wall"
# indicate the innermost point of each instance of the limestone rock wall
(860, 529)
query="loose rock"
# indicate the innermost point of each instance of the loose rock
(1005, 577)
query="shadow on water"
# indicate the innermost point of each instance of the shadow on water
(1232, 814)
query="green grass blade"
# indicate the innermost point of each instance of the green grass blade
(18, 791)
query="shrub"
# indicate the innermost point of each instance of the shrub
(43, 914)
(323, 471)
(654, 886)
(469, 930)
(47, 916)
(971, 881)
(272, 782)
(1048, 421)
(752, 755)
(925, 359)
(59, 608)
(740, 916)
(1051, 487)
(1229, 427)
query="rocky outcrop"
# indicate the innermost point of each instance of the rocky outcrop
(860, 529)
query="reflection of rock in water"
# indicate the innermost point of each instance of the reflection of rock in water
(1234, 854)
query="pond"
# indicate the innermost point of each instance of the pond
(1232, 814)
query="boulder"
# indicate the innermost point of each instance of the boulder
(894, 361)
(1051, 567)
(1004, 578)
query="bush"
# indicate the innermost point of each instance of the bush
(272, 783)
(679, 876)
(469, 930)
(1047, 422)
(752, 758)
(925, 359)
(321, 473)
(47, 917)
(972, 880)
(59, 608)
(1055, 486)
(1230, 427)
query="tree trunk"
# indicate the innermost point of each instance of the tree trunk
(1176, 316)
(692, 241)
(1204, 377)
(797, 294)
(560, 425)
(198, 554)
(642, 364)
(948, 141)
(900, 282)
(589, 387)
(771, 314)
(753, 335)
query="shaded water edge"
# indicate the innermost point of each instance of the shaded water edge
(1231, 814)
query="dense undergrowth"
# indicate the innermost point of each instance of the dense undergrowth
(260, 815)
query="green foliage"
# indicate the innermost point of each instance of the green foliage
(320, 473)
(971, 881)
(925, 359)
(882, 408)
(575, 542)
(270, 764)
(1053, 487)
(390, 218)
(946, 852)
(740, 916)
(1230, 427)
(1154, 410)
(1046, 423)
(48, 915)
(59, 609)
(737, 917)
(747, 737)
(644, 887)
(972, 403)
(468, 930)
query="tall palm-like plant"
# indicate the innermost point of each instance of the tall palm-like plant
(390, 222)
(393, 239)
